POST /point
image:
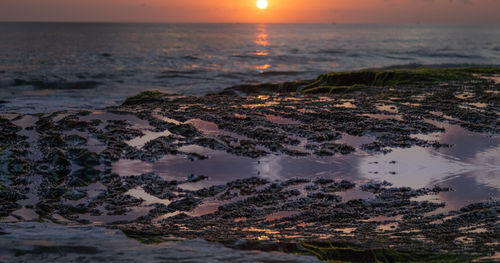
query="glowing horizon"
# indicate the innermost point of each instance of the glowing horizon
(245, 11)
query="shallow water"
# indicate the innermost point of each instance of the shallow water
(470, 167)
(124, 59)
(42, 242)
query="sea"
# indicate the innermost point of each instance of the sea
(52, 66)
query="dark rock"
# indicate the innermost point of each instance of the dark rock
(375, 147)
(185, 130)
(211, 191)
(83, 157)
(75, 140)
(52, 140)
(323, 181)
(196, 157)
(53, 194)
(375, 187)
(186, 204)
(75, 194)
(55, 166)
(83, 177)
(196, 178)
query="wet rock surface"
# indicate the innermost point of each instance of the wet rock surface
(94, 167)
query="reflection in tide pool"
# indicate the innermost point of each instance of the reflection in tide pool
(414, 167)
(470, 167)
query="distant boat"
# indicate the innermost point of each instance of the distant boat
(334, 23)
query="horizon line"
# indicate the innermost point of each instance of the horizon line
(186, 22)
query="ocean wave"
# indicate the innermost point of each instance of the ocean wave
(398, 57)
(434, 54)
(93, 244)
(355, 55)
(102, 76)
(188, 74)
(281, 73)
(454, 55)
(232, 75)
(180, 76)
(5, 84)
(296, 59)
(190, 57)
(331, 51)
(441, 65)
(247, 56)
(192, 71)
(57, 85)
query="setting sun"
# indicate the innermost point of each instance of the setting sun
(262, 4)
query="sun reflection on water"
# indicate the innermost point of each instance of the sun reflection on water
(261, 40)
(262, 67)
(262, 36)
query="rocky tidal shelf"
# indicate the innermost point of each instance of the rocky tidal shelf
(400, 172)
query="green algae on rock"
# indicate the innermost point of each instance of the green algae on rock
(345, 252)
(333, 89)
(149, 95)
(353, 80)
(342, 253)
(284, 87)
(350, 81)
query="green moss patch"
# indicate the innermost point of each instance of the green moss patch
(147, 240)
(334, 89)
(333, 253)
(353, 80)
(149, 95)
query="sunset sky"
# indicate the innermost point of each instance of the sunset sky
(279, 11)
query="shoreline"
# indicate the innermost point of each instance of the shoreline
(66, 87)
